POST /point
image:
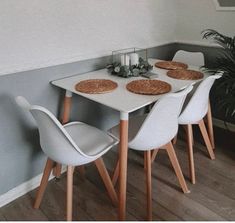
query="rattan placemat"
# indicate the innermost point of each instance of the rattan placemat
(148, 87)
(185, 74)
(171, 65)
(96, 86)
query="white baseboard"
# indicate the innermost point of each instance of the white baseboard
(22, 189)
(219, 123)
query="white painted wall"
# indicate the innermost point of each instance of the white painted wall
(197, 15)
(40, 33)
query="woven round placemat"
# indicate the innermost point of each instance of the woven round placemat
(148, 87)
(96, 86)
(185, 74)
(171, 65)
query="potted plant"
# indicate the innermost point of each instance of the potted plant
(223, 91)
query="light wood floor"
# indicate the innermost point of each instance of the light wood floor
(212, 198)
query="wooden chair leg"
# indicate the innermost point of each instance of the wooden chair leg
(154, 154)
(57, 170)
(46, 174)
(107, 181)
(174, 161)
(210, 126)
(186, 130)
(147, 155)
(174, 140)
(115, 174)
(206, 139)
(189, 131)
(69, 214)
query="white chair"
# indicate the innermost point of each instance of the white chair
(193, 114)
(196, 59)
(191, 58)
(73, 144)
(156, 130)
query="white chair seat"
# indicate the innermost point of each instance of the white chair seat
(90, 140)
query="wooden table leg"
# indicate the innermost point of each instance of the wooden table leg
(123, 154)
(64, 119)
(148, 170)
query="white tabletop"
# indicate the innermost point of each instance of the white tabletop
(121, 99)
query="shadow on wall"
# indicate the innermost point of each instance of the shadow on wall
(24, 124)
(22, 148)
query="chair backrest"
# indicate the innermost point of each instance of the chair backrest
(161, 124)
(190, 58)
(54, 139)
(197, 107)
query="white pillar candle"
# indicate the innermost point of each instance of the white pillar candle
(125, 60)
(134, 59)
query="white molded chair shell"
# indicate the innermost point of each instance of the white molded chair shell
(161, 124)
(74, 144)
(197, 107)
(22, 102)
(190, 58)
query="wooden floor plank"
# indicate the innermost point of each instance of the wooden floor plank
(170, 195)
(92, 200)
(207, 196)
(22, 210)
(2, 217)
(203, 193)
(136, 204)
(135, 198)
(209, 173)
(221, 165)
(215, 201)
(54, 202)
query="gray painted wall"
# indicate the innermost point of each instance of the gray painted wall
(20, 155)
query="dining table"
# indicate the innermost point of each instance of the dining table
(122, 101)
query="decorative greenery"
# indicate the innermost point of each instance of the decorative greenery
(223, 91)
(130, 71)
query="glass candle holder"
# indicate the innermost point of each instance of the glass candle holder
(129, 56)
